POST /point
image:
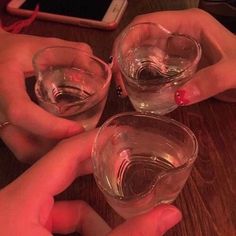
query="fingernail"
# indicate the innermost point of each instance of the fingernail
(110, 60)
(119, 91)
(181, 98)
(75, 130)
(120, 88)
(170, 216)
(171, 212)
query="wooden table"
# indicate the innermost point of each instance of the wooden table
(208, 201)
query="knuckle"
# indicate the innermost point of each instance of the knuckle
(85, 47)
(139, 18)
(80, 45)
(198, 13)
(53, 41)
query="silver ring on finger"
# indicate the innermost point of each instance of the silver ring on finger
(4, 124)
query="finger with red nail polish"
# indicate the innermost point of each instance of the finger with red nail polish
(180, 98)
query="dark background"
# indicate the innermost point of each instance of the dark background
(90, 9)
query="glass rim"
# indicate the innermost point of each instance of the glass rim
(192, 156)
(169, 78)
(93, 57)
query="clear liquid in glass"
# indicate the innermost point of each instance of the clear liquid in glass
(139, 179)
(73, 94)
(129, 183)
(153, 79)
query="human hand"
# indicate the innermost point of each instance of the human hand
(32, 130)
(29, 204)
(217, 67)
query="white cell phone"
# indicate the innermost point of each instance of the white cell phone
(102, 14)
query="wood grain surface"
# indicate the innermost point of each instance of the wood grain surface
(208, 201)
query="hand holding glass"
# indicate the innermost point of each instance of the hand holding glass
(142, 160)
(154, 63)
(72, 84)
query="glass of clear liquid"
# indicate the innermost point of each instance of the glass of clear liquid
(71, 84)
(142, 160)
(154, 63)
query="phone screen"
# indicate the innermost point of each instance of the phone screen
(89, 9)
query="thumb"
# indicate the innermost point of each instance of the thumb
(207, 83)
(40, 122)
(20, 111)
(156, 222)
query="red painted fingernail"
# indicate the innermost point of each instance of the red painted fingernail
(180, 98)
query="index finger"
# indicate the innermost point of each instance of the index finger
(21, 111)
(194, 22)
(57, 169)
